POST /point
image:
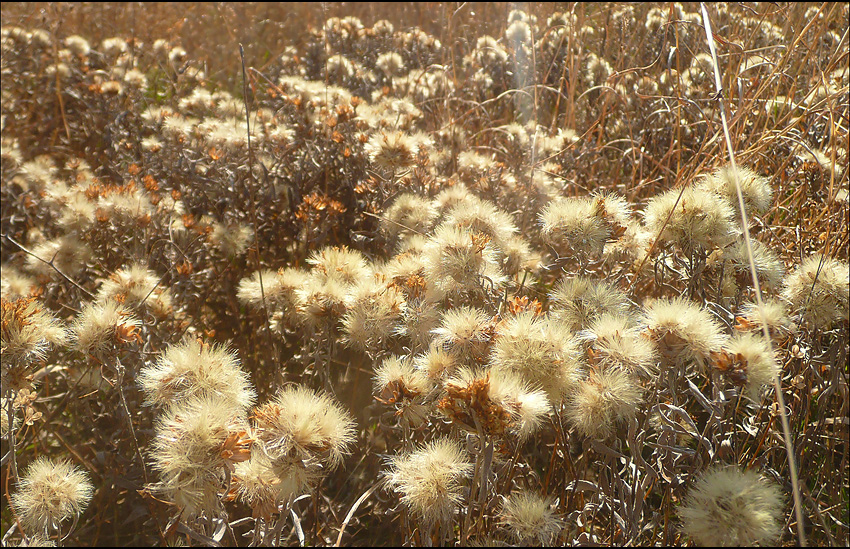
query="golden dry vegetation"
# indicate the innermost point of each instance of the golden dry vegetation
(425, 273)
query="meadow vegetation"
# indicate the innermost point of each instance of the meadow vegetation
(424, 274)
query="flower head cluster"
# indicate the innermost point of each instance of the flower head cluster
(540, 351)
(494, 404)
(601, 401)
(699, 219)
(197, 441)
(819, 291)
(579, 301)
(49, 493)
(301, 433)
(136, 286)
(28, 331)
(430, 479)
(193, 368)
(683, 332)
(399, 383)
(732, 508)
(103, 325)
(530, 517)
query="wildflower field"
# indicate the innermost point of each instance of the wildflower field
(425, 274)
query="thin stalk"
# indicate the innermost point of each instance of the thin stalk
(786, 429)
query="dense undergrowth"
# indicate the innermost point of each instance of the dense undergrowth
(409, 283)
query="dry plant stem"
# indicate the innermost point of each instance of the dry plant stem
(50, 263)
(271, 341)
(13, 473)
(786, 429)
(10, 414)
(119, 368)
(475, 484)
(363, 497)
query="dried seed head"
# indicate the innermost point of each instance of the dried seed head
(28, 331)
(231, 238)
(449, 197)
(819, 291)
(136, 286)
(392, 150)
(461, 260)
(769, 267)
(683, 331)
(194, 368)
(773, 313)
(321, 302)
(197, 441)
(499, 402)
(747, 362)
(49, 493)
(398, 383)
(756, 189)
(348, 267)
(409, 214)
(701, 220)
(257, 485)
(575, 225)
(390, 63)
(465, 332)
(436, 363)
(68, 253)
(482, 216)
(373, 315)
(530, 518)
(309, 425)
(277, 288)
(579, 301)
(102, 325)
(14, 284)
(600, 402)
(429, 479)
(614, 341)
(420, 318)
(731, 508)
(541, 352)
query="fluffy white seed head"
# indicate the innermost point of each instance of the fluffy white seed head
(574, 225)
(499, 403)
(773, 313)
(28, 331)
(348, 267)
(197, 440)
(683, 332)
(409, 214)
(373, 315)
(102, 325)
(135, 286)
(819, 291)
(430, 479)
(529, 518)
(397, 382)
(539, 351)
(465, 332)
(732, 508)
(194, 368)
(756, 189)
(460, 260)
(747, 361)
(49, 493)
(603, 400)
(614, 341)
(700, 220)
(579, 301)
(302, 422)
